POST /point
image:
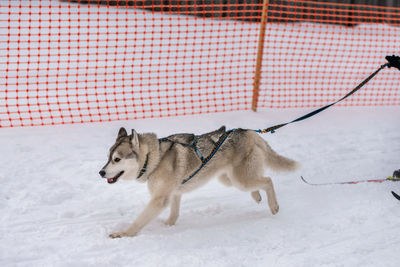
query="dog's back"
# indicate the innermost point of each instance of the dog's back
(243, 144)
(242, 149)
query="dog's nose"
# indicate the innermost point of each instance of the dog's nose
(102, 173)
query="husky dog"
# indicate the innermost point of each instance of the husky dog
(165, 163)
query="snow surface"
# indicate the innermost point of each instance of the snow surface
(57, 211)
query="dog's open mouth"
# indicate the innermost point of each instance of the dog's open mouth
(115, 178)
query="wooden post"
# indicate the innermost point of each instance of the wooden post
(260, 50)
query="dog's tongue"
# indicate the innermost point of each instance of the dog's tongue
(110, 180)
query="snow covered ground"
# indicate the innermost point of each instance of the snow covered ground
(56, 211)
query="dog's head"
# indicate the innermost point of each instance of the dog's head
(123, 158)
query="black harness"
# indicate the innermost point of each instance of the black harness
(204, 160)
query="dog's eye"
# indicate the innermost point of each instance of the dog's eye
(117, 159)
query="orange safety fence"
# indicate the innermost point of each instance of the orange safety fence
(93, 61)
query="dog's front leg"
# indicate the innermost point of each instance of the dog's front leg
(175, 203)
(152, 210)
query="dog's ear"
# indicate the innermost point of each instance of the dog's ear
(134, 139)
(122, 133)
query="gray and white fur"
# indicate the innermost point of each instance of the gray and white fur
(239, 162)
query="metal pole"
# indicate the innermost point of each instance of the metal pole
(260, 50)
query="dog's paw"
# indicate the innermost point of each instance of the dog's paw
(274, 208)
(256, 196)
(119, 235)
(169, 222)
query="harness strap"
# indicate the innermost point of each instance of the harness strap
(273, 128)
(220, 141)
(196, 149)
(204, 160)
(144, 168)
(192, 145)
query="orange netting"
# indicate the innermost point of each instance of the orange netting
(74, 61)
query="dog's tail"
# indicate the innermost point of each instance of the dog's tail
(277, 162)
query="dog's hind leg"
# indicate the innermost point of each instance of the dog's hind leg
(175, 204)
(243, 179)
(247, 175)
(269, 189)
(256, 196)
(264, 183)
(224, 179)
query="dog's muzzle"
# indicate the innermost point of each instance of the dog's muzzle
(113, 179)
